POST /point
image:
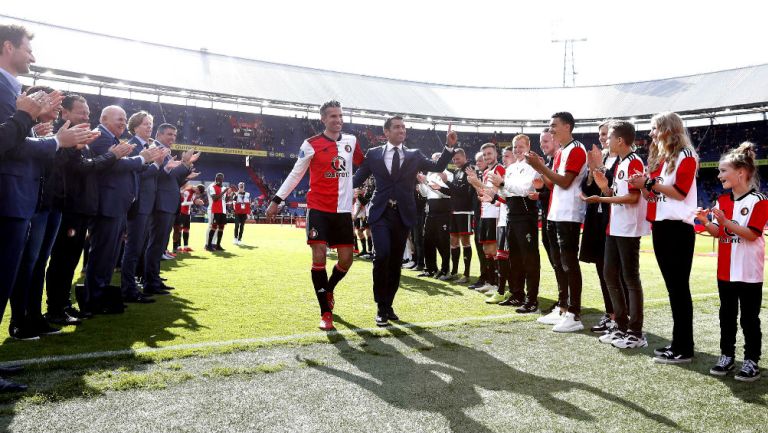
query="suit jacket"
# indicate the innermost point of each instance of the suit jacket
(119, 185)
(147, 182)
(21, 162)
(400, 188)
(168, 184)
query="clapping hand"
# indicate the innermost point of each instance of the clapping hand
(122, 149)
(591, 199)
(595, 157)
(535, 160)
(701, 215)
(638, 180)
(43, 129)
(496, 179)
(189, 157)
(600, 179)
(720, 217)
(76, 136)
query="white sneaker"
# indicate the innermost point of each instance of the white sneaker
(234, 241)
(568, 324)
(630, 342)
(553, 318)
(408, 264)
(165, 257)
(610, 337)
(486, 288)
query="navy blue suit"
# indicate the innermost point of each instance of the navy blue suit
(136, 227)
(118, 188)
(166, 205)
(21, 164)
(390, 224)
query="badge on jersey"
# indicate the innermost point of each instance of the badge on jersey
(312, 233)
(348, 148)
(744, 211)
(621, 175)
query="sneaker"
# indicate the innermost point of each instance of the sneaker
(528, 309)
(497, 298)
(326, 322)
(630, 342)
(188, 250)
(513, 302)
(750, 372)
(476, 285)
(724, 365)
(485, 288)
(662, 350)
(165, 256)
(463, 280)
(553, 318)
(170, 254)
(218, 248)
(570, 323)
(613, 334)
(235, 242)
(602, 325)
(22, 333)
(448, 277)
(426, 274)
(209, 248)
(179, 250)
(409, 264)
(671, 357)
(61, 318)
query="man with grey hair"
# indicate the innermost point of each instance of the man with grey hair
(242, 206)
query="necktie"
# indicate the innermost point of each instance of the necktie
(395, 163)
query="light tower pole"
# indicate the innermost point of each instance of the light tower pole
(567, 61)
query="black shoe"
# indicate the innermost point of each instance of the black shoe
(42, 327)
(210, 248)
(23, 333)
(77, 314)
(478, 284)
(62, 319)
(602, 325)
(724, 365)
(382, 319)
(138, 299)
(512, 302)
(218, 248)
(670, 357)
(163, 279)
(151, 291)
(528, 309)
(8, 386)
(419, 268)
(661, 350)
(167, 288)
(425, 274)
(413, 266)
(750, 372)
(11, 370)
(391, 314)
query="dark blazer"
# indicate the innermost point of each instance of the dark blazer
(147, 182)
(21, 163)
(401, 188)
(168, 184)
(119, 185)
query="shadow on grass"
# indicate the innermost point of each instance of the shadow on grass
(428, 286)
(402, 382)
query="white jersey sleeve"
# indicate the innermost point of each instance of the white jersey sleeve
(306, 152)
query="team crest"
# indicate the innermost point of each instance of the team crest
(621, 174)
(744, 211)
(301, 154)
(312, 233)
(348, 148)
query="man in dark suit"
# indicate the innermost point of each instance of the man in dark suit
(393, 207)
(140, 126)
(172, 174)
(118, 188)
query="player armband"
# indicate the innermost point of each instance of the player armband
(277, 200)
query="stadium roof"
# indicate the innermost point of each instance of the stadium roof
(107, 61)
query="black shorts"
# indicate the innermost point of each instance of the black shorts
(220, 219)
(486, 233)
(333, 229)
(183, 220)
(502, 244)
(461, 224)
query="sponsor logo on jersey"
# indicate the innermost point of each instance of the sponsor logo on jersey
(339, 167)
(731, 238)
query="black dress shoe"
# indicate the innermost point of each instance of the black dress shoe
(138, 299)
(8, 386)
(151, 291)
(23, 333)
(382, 319)
(425, 274)
(42, 327)
(78, 314)
(62, 319)
(10, 370)
(168, 288)
(391, 314)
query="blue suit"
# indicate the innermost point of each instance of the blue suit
(118, 188)
(166, 205)
(136, 227)
(21, 164)
(390, 223)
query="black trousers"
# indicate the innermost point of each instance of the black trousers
(66, 252)
(735, 295)
(479, 249)
(622, 262)
(564, 242)
(525, 263)
(239, 225)
(673, 243)
(15, 231)
(417, 234)
(437, 240)
(389, 237)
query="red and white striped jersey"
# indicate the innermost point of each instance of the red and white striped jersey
(627, 220)
(739, 259)
(216, 206)
(488, 210)
(187, 199)
(565, 205)
(683, 178)
(242, 203)
(330, 172)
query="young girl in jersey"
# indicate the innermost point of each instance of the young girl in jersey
(672, 202)
(739, 218)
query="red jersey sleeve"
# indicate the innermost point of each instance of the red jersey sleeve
(576, 160)
(635, 166)
(500, 170)
(759, 217)
(357, 156)
(686, 173)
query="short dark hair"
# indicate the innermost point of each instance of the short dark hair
(624, 130)
(388, 123)
(220, 174)
(330, 104)
(35, 89)
(70, 99)
(565, 117)
(508, 149)
(164, 127)
(14, 33)
(489, 145)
